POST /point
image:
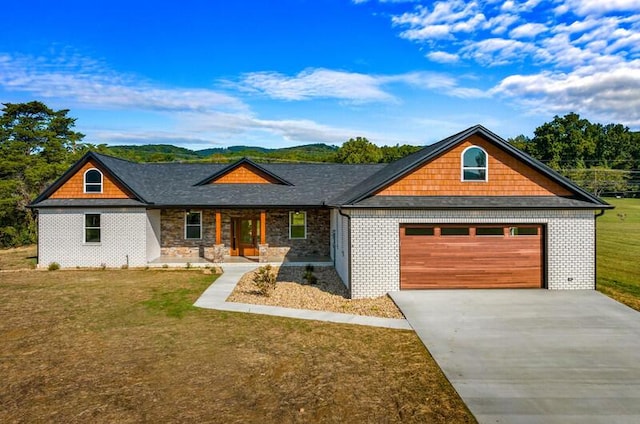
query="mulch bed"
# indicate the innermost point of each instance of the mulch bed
(329, 294)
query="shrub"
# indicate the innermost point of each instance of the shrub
(265, 280)
(188, 265)
(311, 279)
(103, 266)
(53, 266)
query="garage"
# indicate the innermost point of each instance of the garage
(471, 256)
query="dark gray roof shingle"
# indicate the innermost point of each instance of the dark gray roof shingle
(307, 184)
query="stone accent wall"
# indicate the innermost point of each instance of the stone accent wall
(317, 242)
(375, 244)
(122, 238)
(173, 241)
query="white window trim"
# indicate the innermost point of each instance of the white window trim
(305, 225)
(84, 232)
(85, 183)
(192, 225)
(486, 167)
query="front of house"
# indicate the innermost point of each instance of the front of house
(469, 211)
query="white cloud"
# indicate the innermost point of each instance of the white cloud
(601, 7)
(443, 57)
(498, 51)
(317, 83)
(611, 94)
(529, 30)
(85, 82)
(442, 21)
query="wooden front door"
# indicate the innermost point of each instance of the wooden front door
(245, 236)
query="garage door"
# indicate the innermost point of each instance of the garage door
(471, 256)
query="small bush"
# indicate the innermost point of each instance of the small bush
(165, 265)
(188, 265)
(124, 266)
(309, 268)
(265, 280)
(103, 266)
(53, 266)
(310, 277)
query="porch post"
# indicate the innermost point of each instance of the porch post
(218, 227)
(218, 248)
(263, 247)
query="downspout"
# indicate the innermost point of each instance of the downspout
(595, 248)
(348, 244)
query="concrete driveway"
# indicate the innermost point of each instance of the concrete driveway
(533, 356)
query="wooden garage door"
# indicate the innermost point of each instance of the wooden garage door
(471, 256)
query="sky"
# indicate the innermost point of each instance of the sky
(280, 73)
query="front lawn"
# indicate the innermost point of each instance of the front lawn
(127, 346)
(619, 252)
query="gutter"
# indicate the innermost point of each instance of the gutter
(595, 246)
(348, 243)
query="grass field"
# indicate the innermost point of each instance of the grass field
(127, 346)
(619, 252)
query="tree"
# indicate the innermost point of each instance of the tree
(37, 144)
(565, 141)
(358, 150)
(393, 153)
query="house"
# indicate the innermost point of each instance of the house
(470, 211)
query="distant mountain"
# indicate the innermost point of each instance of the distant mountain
(168, 153)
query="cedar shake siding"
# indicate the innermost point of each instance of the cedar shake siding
(507, 176)
(244, 174)
(73, 188)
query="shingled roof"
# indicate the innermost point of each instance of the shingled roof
(305, 184)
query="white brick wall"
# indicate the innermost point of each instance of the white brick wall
(61, 238)
(340, 225)
(153, 234)
(375, 244)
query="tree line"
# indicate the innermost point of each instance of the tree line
(37, 144)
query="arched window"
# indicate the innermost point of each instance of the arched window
(93, 181)
(474, 164)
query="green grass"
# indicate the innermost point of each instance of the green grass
(619, 252)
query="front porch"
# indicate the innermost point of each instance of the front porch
(203, 236)
(200, 262)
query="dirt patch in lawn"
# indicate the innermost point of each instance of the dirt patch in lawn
(128, 346)
(328, 294)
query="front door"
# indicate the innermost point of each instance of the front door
(245, 236)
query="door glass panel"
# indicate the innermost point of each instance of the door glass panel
(489, 231)
(246, 231)
(454, 231)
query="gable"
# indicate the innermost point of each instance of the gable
(73, 188)
(507, 176)
(244, 174)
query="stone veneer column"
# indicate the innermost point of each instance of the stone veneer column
(263, 252)
(218, 253)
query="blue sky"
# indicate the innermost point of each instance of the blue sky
(280, 73)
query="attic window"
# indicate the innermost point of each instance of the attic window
(93, 181)
(474, 164)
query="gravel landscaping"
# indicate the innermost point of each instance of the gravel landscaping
(329, 294)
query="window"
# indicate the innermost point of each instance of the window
(489, 231)
(92, 228)
(297, 225)
(454, 231)
(523, 231)
(93, 181)
(193, 225)
(474, 164)
(418, 231)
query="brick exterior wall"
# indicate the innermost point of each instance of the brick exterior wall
(61, 238)
(375, 244)
(317, 243)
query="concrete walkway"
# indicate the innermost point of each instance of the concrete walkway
(533, 356)
(215, 298)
